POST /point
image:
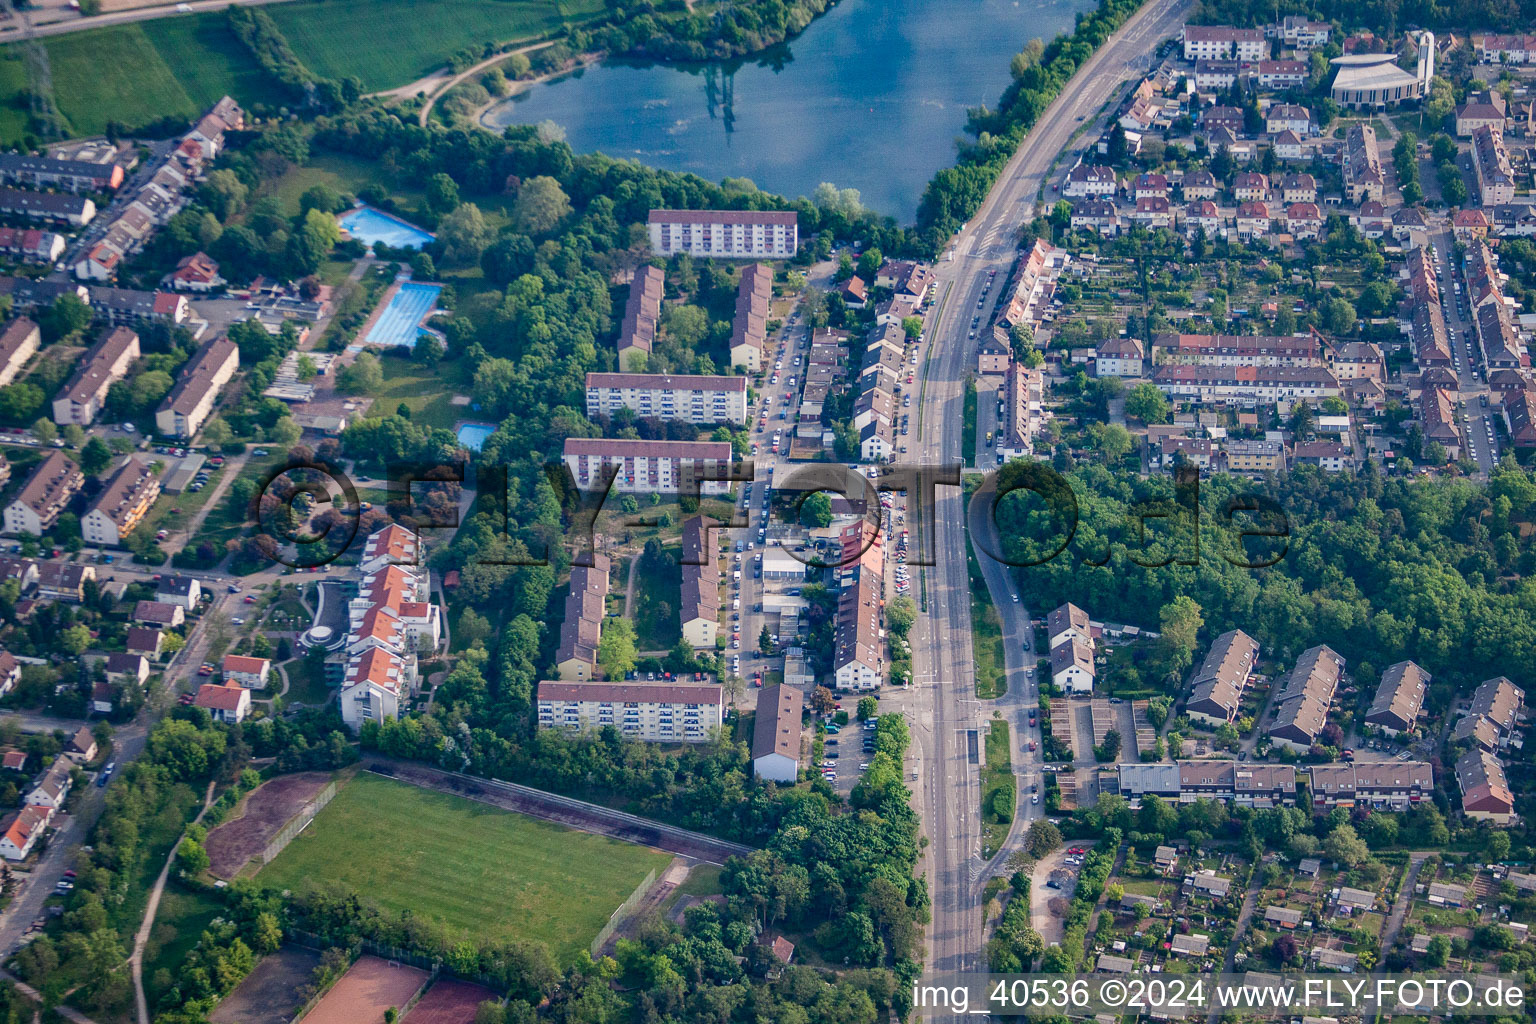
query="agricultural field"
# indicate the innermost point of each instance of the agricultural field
(137, 73)
(469, 866)
(386, 43)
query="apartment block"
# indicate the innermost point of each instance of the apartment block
(196, 392)
(642, 312)
(1216, 690)
(656, 712)
(1223, 42)
(691, 399)
(81, 399)
(1393, 785)
(45, 494)
(18, 344)
(645, 467)
(749, 327)
(725, 234)
(122, 504)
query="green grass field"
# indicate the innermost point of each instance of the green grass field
(471, 867)
(387, 43)
(140, 72)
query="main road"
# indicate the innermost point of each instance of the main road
(945, 707)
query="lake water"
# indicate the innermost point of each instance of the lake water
(871, 96)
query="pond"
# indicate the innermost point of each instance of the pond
(871, 96)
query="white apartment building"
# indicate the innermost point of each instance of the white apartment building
(656, 712)
(727, 234)
(81, 399)
(692, 399)
(18, 344)
(46, 493)
(243, 670)
(645, 467)
(1495, 174)
(121, 504)
(1222, 42)
(391, 618)
(191, 401)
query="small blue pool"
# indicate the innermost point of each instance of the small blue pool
(368, 225)
(473, 435)
(400, 324)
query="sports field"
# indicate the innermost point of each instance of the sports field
(472, 867)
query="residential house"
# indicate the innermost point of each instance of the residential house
(1217, 687)
(224, 703)
(1399, 698)
(46, 493)
(668, 712)
(122, 503)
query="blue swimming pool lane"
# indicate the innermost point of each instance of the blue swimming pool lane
(399, 325)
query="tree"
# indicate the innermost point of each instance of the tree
(463, 235)
(45, 430)
(912, 326)
(822, 701)
(765, 641)
(217, 433)
(74, 639)
(68, 314)
(95, 456)
(191, 856)
(365, 376)
(816, 511)
(1439, 952)
(1042, 838)
(540, 206)
(899, 615)
(1341, 316)
(868, 708)
(442, 193)
(1109, 750)
(1345, 846)
(1179, 624)
(1147, 404)
(616, 648)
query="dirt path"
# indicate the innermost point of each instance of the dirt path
(674, 876)
(629, 587)
(447, 84)
(136, 961)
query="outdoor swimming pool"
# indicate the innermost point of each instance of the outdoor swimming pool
(473, 435)
(400, 323)
(368, 225)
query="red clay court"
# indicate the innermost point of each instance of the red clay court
(448, 1002)
(267, 810)
(365, 992)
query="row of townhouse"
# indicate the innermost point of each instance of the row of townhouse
(21, 829)
(1249, 220)
(1399, 699)
(389, 620)
(1217, 687)
(1244, 784)
(41, 580)
(696, 399)
(163, 195)
(32, 245)
(699, 608)
(725, 234)
(1505, 49)
(1252, 457)
(1423, 314)
(825, 376)
(1489, 724)
(115, 306)
(1493, 312)
(858, 641)
(1213, 74)
(192, 398)
(1301, 708)
(1246, 385)
(749, 325)
(1070, 641)
(78, 176)
(582, 627)
(642, 312)
(1027, 300)
(1391, 785)
(1294, 350)
(48, 490)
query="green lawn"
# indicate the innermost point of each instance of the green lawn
(306, 683)
(426, 392)
(986, 634)
(999, 789)
(657, 592)
(474, 868)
